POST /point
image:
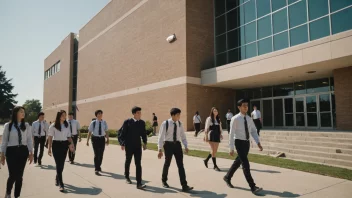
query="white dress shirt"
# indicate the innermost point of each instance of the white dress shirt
(256, 114)
(229, 116)
(237, 129)
(95, 130)
(168, 136)
(75, 126)
(209, 123)
(57, 135)
(196, 119)
(35, 128)
(13, 140)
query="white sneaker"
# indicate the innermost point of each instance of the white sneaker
(7, 196)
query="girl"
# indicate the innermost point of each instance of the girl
(59, 141)
(213, 135)
(17, 147)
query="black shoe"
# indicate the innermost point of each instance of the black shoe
(228, 182)
(141, 186)
(62, 189)
(97, 173)
(72, 162)
(56, 183)
(206, 163)
(39, 163)
(165, 185)
(256, 189)
(186, 188)
(128, 180)
(217, 168)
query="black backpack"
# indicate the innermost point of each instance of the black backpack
(167, 124)
(119, 131)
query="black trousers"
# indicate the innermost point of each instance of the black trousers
(228, 125)
(258, 125)
(175, 149)
(137, 153)
(242, 147)
(71, 155)
(197, 127)
(60, 152)
(16, 158)
(39, 141)
(99, 147)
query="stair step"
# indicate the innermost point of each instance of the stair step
(347, 135)
(320, 160)
(308, 138)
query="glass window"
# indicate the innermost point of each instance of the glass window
(300, 88)
(58, 66)
(264, 27)
(242, 15)
(221, 59)
(283, 90)
(288, 105)
(242, 53)
(324, 102)
(298, 13)
(220, 43)
(250, 32)
(231, 4)
(257, 93)
(338, 4)
(300, 119)
(263, 8)
(319, 28)
(315, 86)
(233, 39)
(280, 21)
(299, 104)
(291, 1)
(289, 119)
(251, 50)
(220, 25)
(219, 7)
(277, 4)
(242, 36)
(317, 8)
(265, 46)
(249, 11)
(332, 84)
(325, 119)
(340, 21)
(267, 92)
(333, 110)
(281, 41)
(75, 69)
(234, 55)
(232, 20)
(299, 35)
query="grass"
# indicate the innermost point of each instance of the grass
(271, 161)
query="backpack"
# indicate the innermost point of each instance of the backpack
(167, 124)
(120, 130)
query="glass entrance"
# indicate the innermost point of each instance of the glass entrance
(267, 113)
(312, 115)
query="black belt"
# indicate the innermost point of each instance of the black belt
(98, 136)
(172, 142)
(60, 140)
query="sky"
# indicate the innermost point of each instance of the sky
(30, 30)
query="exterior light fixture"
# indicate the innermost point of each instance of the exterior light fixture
(172, 38)
(311, 72)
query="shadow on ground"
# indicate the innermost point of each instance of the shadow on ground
(82, 191)
(47, 167)
(264, 193)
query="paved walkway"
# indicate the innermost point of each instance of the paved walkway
(81, 181)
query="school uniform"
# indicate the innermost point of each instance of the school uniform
(59, 147)
(98, 129)
(132, 132)
(256, 115)
(197, 121)
(39, 130)
(229, 115)
(155, 124)
(241, 127)
(74, 127)
(170, 139)
(214, 130)
(16, 145)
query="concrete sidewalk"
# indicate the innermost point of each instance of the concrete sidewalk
(81, 181)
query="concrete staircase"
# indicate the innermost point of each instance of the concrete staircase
(329, 148)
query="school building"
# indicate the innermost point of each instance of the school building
(292, 58)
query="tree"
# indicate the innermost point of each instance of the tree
(33, 107)
(7, 98)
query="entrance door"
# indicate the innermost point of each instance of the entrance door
(325, 111)
(278, 113)
(312, 111)
(300, 113)
(267, 113)
(289, 118)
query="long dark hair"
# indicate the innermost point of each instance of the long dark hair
(212, 115)
(57, 124)
(14, 118)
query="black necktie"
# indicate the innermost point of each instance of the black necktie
(99, 128)
(246, 128)
(175, 132)
(71, 127)
(40, 129)
(19, 135)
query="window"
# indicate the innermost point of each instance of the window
(340, 21)
(319, 28)
(264, 27)
(221, 59)
(58, 66)
(291, 1)
(232, 20)
(339, 4)
(280, 21)
(317, 8)
(263, 7)
(251, 50)
(220, 25)
(219, 7)
(283, 90)
(234, 55)
(231, 4)
(320, 85)
(298, 13)
(277, 4)
(233, 39)
(221, 43)
(249, 11)
(281, 41)
(299, 35)
(250, 32)
(265, 46)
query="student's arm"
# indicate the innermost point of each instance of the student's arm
(51, 133)
(79, 131)
(232, 135)
(184, 138)
(106, 133)
(122, 136)
(29, 139)
(254, 133)
(90, 130)
(144, 137)
(5, 137)
(161, 137)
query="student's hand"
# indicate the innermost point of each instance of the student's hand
(107, 141)
(49, 152)
(260, 147)
(160, 155)
(232, 153)
(123, 148)
(221, 137)
(30, 158)
(144, 147)
(186, 150)
(87, 143)
(2, 159)
(80, 139)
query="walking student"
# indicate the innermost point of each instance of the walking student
(39, 131)
(257, 118)
(229, 115)
(132, 131)
(59, 140)
(213, 135)
(155, 123)
(241, 126)
(75, 134)
(171, 134)
(196, 122)
(98, 130)
(16, 148)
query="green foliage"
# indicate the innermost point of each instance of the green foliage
(33, 107)
(112, 133)
(148, 126)
(84, 129)
(7, 98)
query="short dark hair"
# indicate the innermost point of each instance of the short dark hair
(175, 111)
(71, 113)
(241, 101)
(93, 119)
(153, 113)
(97, 112)
(135, 109)
(254, 106)
(40, 114)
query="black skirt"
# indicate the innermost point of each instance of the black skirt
(214, 133)
(155, 124)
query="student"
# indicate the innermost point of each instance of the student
(196, 122)
(257, 118)
(59, 139)
(132, 131)
(213, 135)
(155, 123)
(241, 126)
(229, 115)
(171, 134)
(74, 130)
(16, 148)
(39, 131)
(98, 130)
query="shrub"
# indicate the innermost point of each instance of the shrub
(84, 129)
(112, 133)
(148, 127)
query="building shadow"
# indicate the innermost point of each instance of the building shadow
(264, 193)
(83, 165)
(82, 191)
(47, 167)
